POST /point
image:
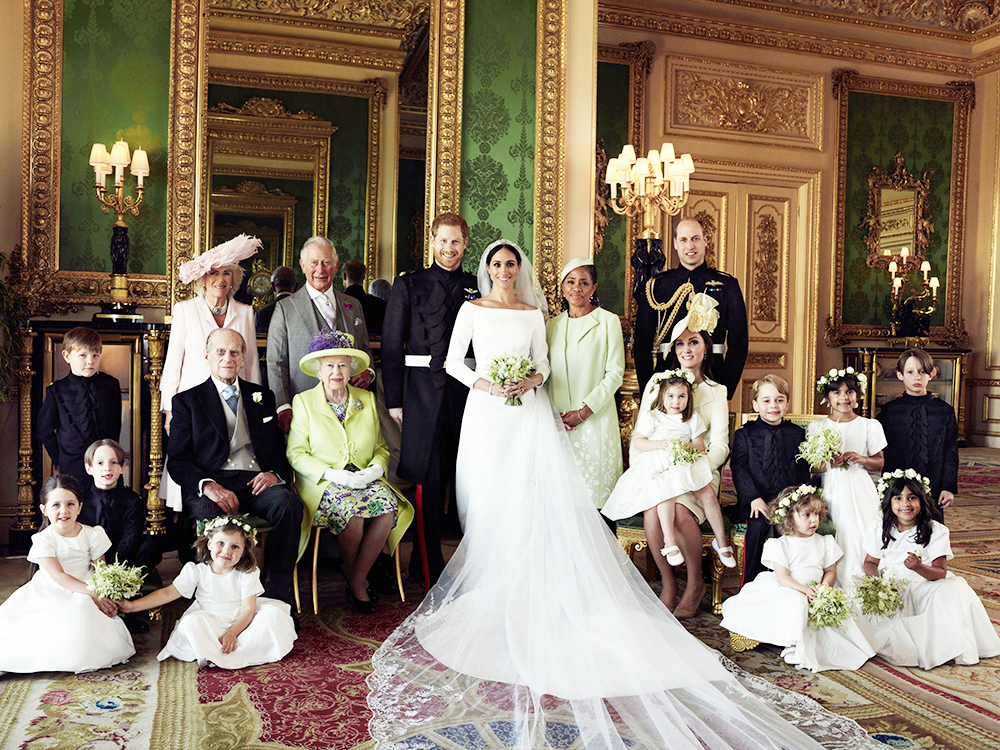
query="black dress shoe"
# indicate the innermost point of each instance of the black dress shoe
(365, 608)
(372, 593)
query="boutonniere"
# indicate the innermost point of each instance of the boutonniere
(257, 397)
(347, 305)
(471, 293)
(356, 404)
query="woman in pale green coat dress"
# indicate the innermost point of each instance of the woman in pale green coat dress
(587, 356)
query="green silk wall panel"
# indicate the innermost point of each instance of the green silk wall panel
(498, 124)
(878, 127)
(612, 128)
(348, 158)
(409, 206)
(116, 83)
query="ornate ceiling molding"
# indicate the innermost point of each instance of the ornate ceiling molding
(297, 49)
(373, 17)
(952, 18)
(695, 27)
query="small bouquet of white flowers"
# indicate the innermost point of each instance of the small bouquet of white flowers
(116, 581)
(682, 454)
(829, 609)
(881, 597)
(510, 366)
(819, 446)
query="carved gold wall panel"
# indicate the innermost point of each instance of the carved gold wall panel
(259, 45)
(550, 138)
(767, 241)
(375, 17)
(746, 103)
(444, 108)
(711, 208)
(766, 361)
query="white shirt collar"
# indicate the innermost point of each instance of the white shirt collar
(316, 294)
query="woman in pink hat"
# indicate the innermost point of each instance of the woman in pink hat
(215, 276)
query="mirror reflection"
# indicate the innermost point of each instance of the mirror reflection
(898, 214)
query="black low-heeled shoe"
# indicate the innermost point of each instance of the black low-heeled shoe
(365, 608)
(373, 593)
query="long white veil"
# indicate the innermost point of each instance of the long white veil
(526, 286)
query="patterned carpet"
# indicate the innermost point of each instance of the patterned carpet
(315, 697)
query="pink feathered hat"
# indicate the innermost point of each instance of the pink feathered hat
(227, 254)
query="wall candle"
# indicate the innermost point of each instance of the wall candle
(893, 267)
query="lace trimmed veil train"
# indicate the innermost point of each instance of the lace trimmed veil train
(540, 632)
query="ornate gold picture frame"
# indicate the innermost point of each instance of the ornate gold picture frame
(962, 95)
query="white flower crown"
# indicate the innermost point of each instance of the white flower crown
(790, 501)
(890, 476)
(836, 375)
(221, 522)
(654, 382)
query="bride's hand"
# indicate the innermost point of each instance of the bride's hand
(519, 387)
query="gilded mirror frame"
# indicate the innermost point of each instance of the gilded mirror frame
(281, 137)
(36, 275)
(962, 94)
(252, 198)
(922, 224)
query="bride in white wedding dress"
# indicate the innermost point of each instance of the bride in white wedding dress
(541, 633)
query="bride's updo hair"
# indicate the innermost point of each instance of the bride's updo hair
(491, 253)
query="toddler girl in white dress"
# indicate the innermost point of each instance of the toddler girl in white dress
(229, 625)
(942, 618)
(54, 622)
(774, 607)
(655, 479)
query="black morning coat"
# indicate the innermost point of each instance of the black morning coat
(922, 434)
(731, 329)
(763, 461)
(76, 412)
(419, 320)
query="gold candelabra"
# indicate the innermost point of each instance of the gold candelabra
(660, 181)
(922, 300)
(117, 201)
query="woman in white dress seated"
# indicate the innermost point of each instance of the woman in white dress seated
(540, 627)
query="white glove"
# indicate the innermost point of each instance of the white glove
(345, 478)
(370, 474)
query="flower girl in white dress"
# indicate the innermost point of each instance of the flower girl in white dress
(229, 625)
(774, 607)
(54, 622)
(847, 488)
(942, 618)
(657, 478)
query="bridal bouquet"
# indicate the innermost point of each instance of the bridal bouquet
(881, 597)
(116, 581)
(682, 454)
(830, 608)
(510, 366)
(819, 446)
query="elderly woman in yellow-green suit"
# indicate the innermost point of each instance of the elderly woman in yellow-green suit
(587, 357)
(336, 449)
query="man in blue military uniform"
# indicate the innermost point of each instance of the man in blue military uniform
(664, 299)
(420, 396)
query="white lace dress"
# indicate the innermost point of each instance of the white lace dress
(45, 627)
(768, 612)
(850, 493)
(268, 637)
(652, 477)
(940, 620)
(540, 628)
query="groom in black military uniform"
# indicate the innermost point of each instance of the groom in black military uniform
(663, 301)
(420, 396)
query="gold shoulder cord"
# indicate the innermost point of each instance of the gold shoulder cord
(683, 294)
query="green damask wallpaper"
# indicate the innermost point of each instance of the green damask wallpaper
(115, 84)
(878, 127)
(348, 157)
(612, 129)
(498, 124)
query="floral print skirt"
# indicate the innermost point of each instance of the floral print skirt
(340, 504)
